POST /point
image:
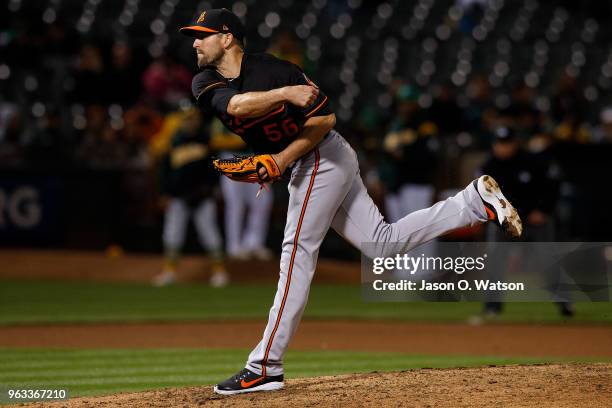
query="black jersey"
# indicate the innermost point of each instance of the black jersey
(269, 133)
(185, 171)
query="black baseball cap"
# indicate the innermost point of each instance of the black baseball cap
(215, 21)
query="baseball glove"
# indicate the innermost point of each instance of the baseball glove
(246, 169)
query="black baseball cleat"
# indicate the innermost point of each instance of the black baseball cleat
(248, 381)
(498, 207)
(566, 309)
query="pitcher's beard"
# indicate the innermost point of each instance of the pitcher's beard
(203, 61)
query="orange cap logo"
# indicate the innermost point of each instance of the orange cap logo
(201, 18)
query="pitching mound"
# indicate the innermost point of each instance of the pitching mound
(579, 385)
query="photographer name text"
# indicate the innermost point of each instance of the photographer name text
(478, 284)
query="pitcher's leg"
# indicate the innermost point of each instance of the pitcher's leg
(415, 197)
(313, 201)
(359, 220)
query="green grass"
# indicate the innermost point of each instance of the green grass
(26, 302)
(95, 372)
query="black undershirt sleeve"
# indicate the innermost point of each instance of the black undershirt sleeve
(217, 99)
(211, 92)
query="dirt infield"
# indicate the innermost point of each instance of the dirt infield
(115, 266)
(460, 339)
(509, 386)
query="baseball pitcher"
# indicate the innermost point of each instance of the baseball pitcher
(286, 120)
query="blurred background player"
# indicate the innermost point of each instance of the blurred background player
(187, 183)
(245, 235)
(532, 177)
(411, 148)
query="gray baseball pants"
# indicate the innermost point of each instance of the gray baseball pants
(326, 191)
(205, 220)
(241, 197)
